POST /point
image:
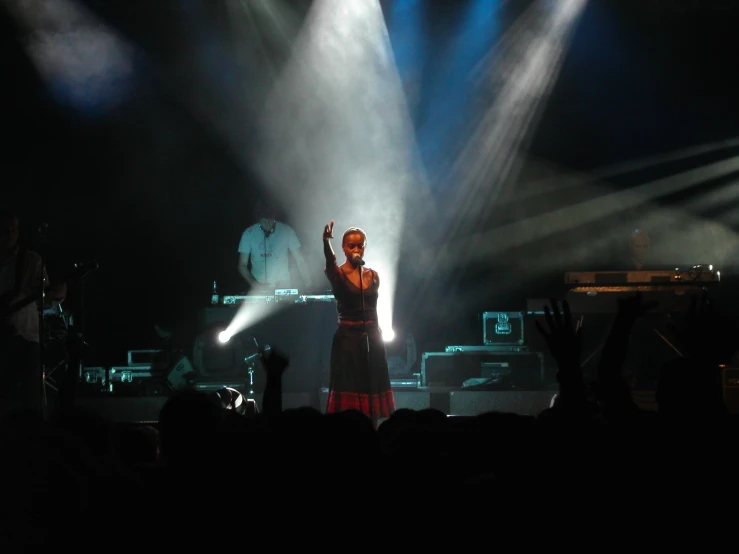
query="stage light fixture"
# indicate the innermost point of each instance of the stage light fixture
(402, 355)
(231, 399)
(218, 353)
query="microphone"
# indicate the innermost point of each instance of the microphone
(357, 259)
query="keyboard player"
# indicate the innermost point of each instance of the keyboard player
(636, 255)
(653, 341)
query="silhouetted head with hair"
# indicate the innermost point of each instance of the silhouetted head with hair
(688, 390)
(188, 425)
(638, 247)
(139, 445)
(265, 210)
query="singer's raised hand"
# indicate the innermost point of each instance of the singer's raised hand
(328, 231)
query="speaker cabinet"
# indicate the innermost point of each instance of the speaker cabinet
(453, 369)
(178, 375)
(472, 403)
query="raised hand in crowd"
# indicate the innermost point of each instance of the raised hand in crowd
(692, 385)
(613, 391)
(564, 341)
(562, 335)
(274, 363)
(630, 308)
(708, 336)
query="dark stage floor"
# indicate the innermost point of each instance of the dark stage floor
(452, 401)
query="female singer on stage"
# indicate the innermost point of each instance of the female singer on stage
(359, 376)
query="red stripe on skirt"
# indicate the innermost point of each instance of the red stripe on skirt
(383, 404)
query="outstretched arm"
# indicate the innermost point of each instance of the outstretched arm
(328, 251)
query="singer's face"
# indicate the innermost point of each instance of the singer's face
(353, 244)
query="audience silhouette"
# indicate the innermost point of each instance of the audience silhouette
(74, 478)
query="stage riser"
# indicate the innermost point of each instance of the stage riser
(410, 399)
(471, 403)
(462, 403)
(129, 409)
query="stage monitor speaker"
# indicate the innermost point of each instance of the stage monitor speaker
(213, 358)
(180, 373)
(474, 403)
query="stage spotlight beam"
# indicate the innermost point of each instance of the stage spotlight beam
(337, 123)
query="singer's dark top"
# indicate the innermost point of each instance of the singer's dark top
(349, 296)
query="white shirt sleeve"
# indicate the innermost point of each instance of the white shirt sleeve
(293, 243)
(245, 242)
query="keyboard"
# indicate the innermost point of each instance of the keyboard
(694, 274)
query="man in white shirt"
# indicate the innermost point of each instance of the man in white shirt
(264, 252)
(22, 280)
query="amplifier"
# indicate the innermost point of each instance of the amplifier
(129, 374)
(94, 375)
(118, 379)
(452, 369)
(141, 358)
(502, 328)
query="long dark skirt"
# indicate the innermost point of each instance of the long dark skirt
(358, 380)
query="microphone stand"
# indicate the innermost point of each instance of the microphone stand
(77, 348)
(367, 345)
(79, 335)
(41, 327)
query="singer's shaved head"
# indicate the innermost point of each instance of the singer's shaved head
(351, 230)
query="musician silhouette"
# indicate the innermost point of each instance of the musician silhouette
(638, 249)
(23, 283)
